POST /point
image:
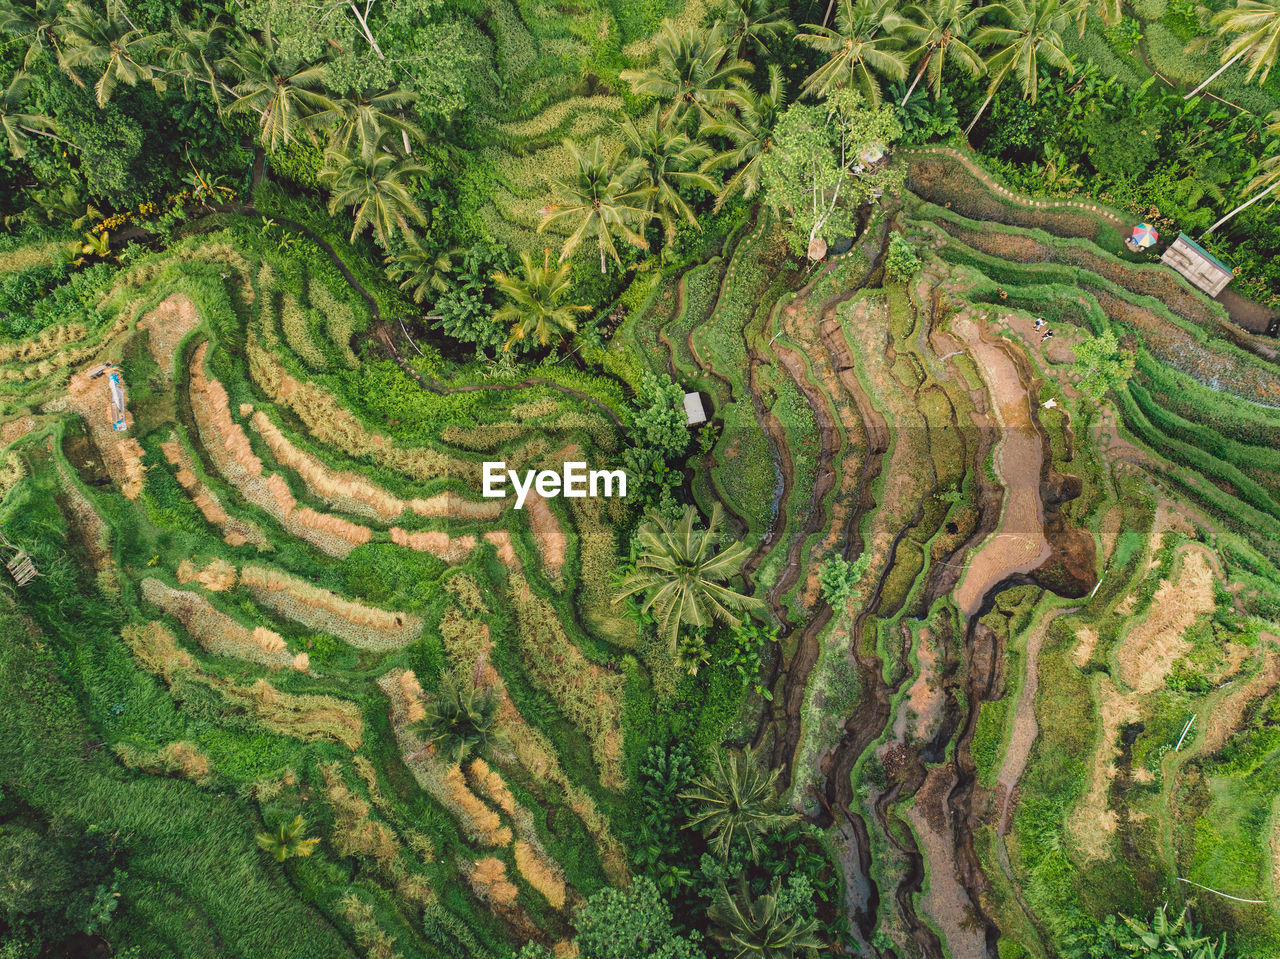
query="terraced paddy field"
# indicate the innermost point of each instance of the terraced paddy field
(1047, 694)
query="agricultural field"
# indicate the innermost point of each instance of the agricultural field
(923, 599)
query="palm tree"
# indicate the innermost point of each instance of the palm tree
(460, 720)
(693, 71)
(1031, 33)
(738, 801)
(194, 52)
(758, 22)
(749, 128)
(533, 306)
(605, 198)
(1109, 10)
(287, 840)
(284, 94)
(108, 42)
(682, 575)
(18, 125)
(420, 270)
(859, 49)
(375, 183)
(761, 926)
(1265, 181)
(669, 156)
(35, 22)
(1254, 26)
(937, 29)
(365, 118)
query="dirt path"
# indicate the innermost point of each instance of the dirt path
(1025, 727)
(1018, 544)
(946, 901)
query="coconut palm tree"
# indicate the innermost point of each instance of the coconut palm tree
(1267, 178)
(936, 31)
(110, 45)
(693, 71)
(670, 158)
(35, 22)
(749, 127)
(420, 270)
(1031, 32)
(861, 48)
(763, 926)
(19, 125)
(365, 118)
(285, 95)
(460, 719)
(1254, 29)
(533, 307)
(606, 197)
(194, 51)
(287, 840)
(758, 23)
(683, 576)
(375, 183)
(737, 801)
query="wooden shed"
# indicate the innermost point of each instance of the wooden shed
(1197, 264)
(695, 413)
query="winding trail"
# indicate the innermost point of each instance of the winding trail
(1019, 544)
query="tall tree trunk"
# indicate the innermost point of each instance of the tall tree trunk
(1213, 76)
(919, 73)
(259, 166)
(981, 110)
(827, 16)
(1242, 206)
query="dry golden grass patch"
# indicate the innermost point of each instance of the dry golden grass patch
(589, 695)
(307, 718)
(468, 645)
(446, 783)
(355, 832)
(236, 531)
(372, 938)
(16, 428)
(121, 453)
(50, 341)
(1226, 717)
(481, 823)
(334, 425)
(540, 873)
(1094, 823)
(348, 492)
(438, 544)
(1149, 649)
(489, 781)
(1087, 641)
(166, 326)
(217, 575)
(366, 627)
(232, 454)
(489, 880)
(217, 632)
(95, 534)
(176, 759)
(547, 534)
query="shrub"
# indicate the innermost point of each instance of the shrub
(901, 263)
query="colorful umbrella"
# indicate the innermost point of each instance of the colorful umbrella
(1144, 235)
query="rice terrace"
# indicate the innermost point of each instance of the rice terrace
(693, 479)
